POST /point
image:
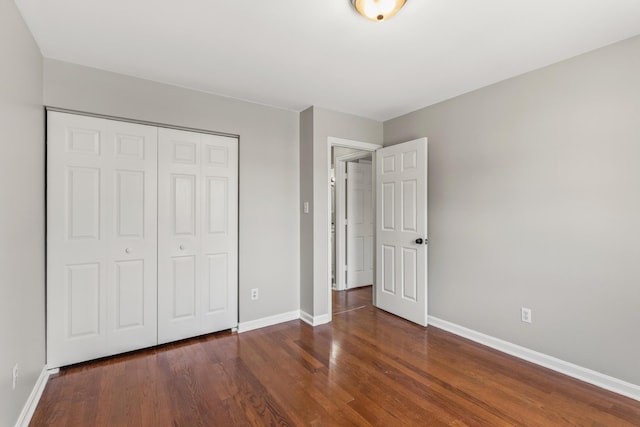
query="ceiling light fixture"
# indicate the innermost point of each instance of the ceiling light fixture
(378, 10)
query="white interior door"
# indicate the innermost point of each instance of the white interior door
(101, 237)
(197, 234)
(360, 227)
(401, 230)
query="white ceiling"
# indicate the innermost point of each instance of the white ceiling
(296, 53)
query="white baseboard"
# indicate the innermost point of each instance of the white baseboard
(268, 321)
(583, 374)
(32, 402)
(315, 320)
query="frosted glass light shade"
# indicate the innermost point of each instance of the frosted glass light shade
(378, 10)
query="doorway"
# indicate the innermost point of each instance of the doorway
(345, 148)
(352, 223)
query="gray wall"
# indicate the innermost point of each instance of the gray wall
(534, 200)
(21, 213)
(326, 123)
(306, 220)
(269, 178)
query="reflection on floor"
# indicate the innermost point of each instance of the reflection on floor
(351, 299)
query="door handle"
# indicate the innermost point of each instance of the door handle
(182, 247)
(128, 250)
(419, 241)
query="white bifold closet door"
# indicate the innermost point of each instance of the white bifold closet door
(197, 234)
(101, 237)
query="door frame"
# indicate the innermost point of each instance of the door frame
(348, 143)
(340, 195)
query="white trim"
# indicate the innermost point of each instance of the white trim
(583, 374)
(268, 321)
(314, 321)
(357, 155)
(32, 402)
(340, 239)
(350, 143)
(306, 317)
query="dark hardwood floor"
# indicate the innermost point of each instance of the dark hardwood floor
(367, 367)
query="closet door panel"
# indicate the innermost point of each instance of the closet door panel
(197, 234)
(184, 287)
(220, 232)
(101, 238)
(83, 290)
(129, 294)
(183, 201)
(129, 204)
(83, 203)
(76, 235)
(132, 213)
(179, 255)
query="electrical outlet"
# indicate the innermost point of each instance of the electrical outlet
(15, 376)
(525, 314)
(254, 294)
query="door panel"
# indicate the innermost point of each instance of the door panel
(388, 206)
(184, 287)
(83, 291)
(409, 274)
(183, 200)
(220, 233)
(198, 234)
(178, 246)
(217, 204)
(129, 289)
(82, 140)
(129, 204)
(218, 280)
(401, 193)
(101, 237)
(83, 215)
(76, 264)
(129, 147)
(388, 269)
(132, 218)
(409, 211)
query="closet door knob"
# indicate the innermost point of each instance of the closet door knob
(419, 241)
(182, 247)
(128, 250)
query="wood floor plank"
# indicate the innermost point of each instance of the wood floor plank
(367, 367)
(254, 398)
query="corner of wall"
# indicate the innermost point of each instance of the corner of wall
(21, 215)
